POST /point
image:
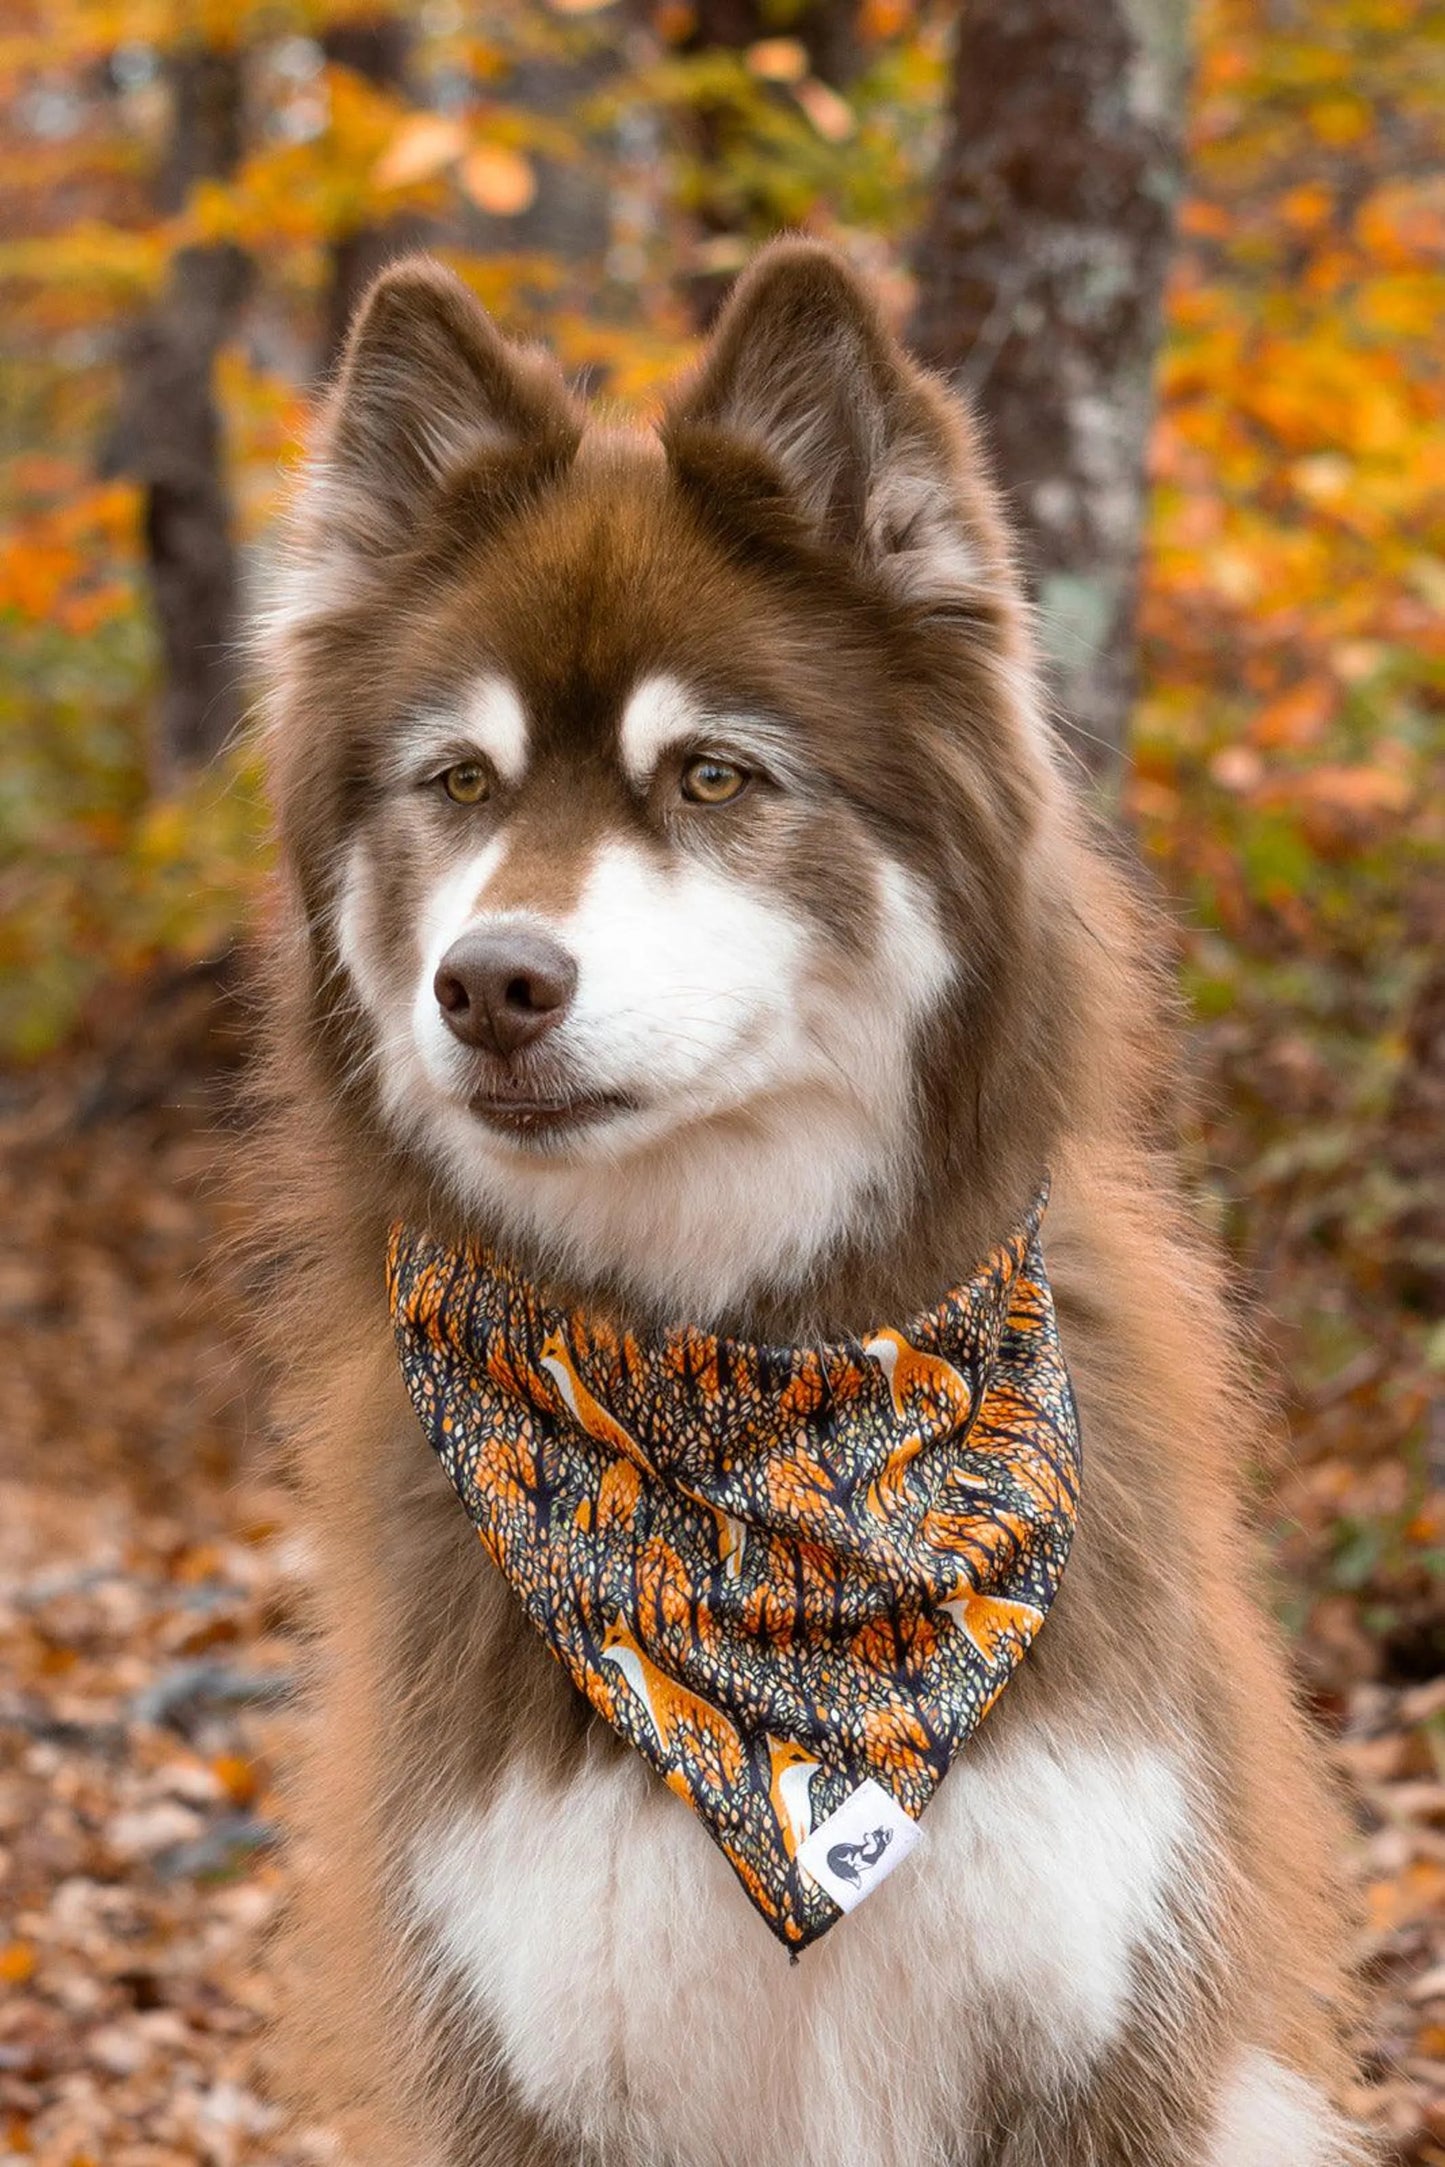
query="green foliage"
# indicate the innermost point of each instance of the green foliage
(98, 876)
(754, 156)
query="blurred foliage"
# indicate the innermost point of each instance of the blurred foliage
(1288, 749)
(98, 878)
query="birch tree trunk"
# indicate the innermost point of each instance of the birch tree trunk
(1041, 273)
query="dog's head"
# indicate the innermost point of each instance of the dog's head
(662, 810)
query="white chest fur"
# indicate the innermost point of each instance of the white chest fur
(641, 2005)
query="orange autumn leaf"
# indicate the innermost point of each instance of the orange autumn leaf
(237, 1777)
(1356, 789)
(778, 60)
(498, 180)
(424, 145)
(1416, 1893)
(1298, 717)
(880, 19)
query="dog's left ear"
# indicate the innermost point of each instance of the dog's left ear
(434, 419)
(804, 383)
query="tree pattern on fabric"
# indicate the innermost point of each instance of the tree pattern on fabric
(778, 1571)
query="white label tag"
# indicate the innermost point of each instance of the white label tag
(859, 1845)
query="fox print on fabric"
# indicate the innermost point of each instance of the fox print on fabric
(780, 1572)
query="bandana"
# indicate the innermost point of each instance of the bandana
(796, 1579)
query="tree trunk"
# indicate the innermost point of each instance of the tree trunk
(167, 432)
(377, 47)
(1041, 274)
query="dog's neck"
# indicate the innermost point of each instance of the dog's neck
(772, 1238)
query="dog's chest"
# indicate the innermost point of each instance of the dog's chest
(640, 2004)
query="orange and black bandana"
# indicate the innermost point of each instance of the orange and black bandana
(795, 1578)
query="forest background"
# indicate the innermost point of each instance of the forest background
(1251, 652)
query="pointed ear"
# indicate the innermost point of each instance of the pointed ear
(803, 373)
(428, 393)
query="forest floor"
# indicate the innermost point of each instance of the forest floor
(150, 1641)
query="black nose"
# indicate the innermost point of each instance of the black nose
(503, 989)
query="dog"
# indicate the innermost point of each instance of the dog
(681, 892)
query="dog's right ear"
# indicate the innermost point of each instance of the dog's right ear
(804, 397)
(429, 395)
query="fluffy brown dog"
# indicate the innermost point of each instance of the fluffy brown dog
(679, 891)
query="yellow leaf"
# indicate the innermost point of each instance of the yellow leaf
(1235, 574)
(1324, 475)
(498, 180)
(17, 1962)
(421, 147)
(1340, 119)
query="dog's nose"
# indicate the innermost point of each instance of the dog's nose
(503, 989)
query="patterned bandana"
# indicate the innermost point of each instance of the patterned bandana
(795, 1578)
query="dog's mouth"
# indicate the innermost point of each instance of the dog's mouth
(529, 1115)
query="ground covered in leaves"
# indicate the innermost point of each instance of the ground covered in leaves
(149, 1649)
(148, 1637)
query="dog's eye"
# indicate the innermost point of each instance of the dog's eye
(467, 783)
(707, 781)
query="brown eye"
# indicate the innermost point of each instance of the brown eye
(467, 783)
(712, 782)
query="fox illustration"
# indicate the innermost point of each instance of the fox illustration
(988, 1619)
(850, 1861)
(793, 1769)
(908, 1372)
(672, 1708)
(588, 1413)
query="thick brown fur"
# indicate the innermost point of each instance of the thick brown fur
(427, 1679)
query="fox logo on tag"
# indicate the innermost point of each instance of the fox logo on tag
(857, 1847)
(850, 1861)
